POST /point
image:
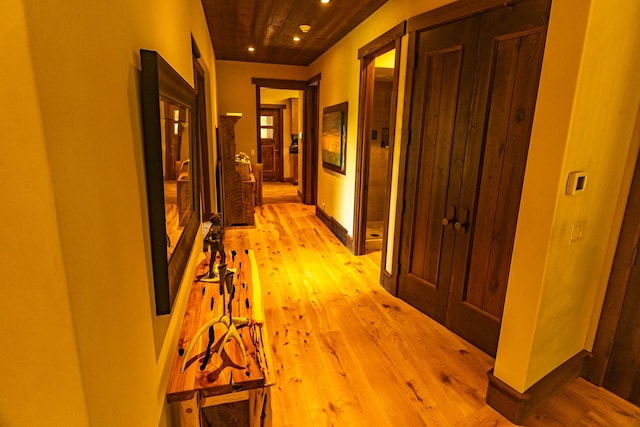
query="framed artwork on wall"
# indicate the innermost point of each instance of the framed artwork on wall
(334, 137)
(171, 165)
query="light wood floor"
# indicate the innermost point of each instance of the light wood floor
(347, 353)
(279, 192)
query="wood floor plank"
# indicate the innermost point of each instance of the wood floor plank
(347, 353)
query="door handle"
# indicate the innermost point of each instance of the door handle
(449, 215)
(463, 221)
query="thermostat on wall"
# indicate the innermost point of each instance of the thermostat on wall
(576, 183)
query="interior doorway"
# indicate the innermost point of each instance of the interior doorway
(379, 76)
(377, 142)
(279, 142)
(300, 122)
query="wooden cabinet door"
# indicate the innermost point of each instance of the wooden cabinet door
(465, 171)
(271, 143)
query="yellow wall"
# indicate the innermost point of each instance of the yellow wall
(84, 344)
(585, 115)
(39, 357)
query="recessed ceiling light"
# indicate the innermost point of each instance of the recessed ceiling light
(324, 1)
(296, 38)
(251, 49)
(304, 28)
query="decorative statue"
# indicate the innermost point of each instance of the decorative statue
(213, 241)
(230, 322)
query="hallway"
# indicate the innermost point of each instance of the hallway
(279, 192)
(347, 353)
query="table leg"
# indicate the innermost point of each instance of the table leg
(188, 413)
(260, 407)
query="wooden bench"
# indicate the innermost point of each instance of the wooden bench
(199, 378)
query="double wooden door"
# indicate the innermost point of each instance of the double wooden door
(472, 102)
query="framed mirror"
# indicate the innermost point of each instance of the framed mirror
(168, 105)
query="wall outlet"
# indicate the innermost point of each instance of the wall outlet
(253, 152)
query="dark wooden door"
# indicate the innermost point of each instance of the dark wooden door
(309, 142)
(470, 140)
(271, 143)
(444, 76)
(623, 371)
(616, 351)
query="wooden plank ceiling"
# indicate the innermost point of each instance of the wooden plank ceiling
(270, 26)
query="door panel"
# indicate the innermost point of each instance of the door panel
(511, 51)
(268, 160)
(440, 112)
(503, 170)
(433, 178)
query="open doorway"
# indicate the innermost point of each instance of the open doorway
(379, 75)
(379, 157)
(298, 157)
(278, 144)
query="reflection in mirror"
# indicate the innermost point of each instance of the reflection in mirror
(176, 170)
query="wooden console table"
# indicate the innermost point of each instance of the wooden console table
(208, 380)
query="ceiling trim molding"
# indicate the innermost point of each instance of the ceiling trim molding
(279, 83)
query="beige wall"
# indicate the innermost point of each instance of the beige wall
(84, 346)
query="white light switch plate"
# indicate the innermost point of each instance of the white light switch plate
(577, 232)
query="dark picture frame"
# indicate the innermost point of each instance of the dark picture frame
(171, 162)
(334, 137)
